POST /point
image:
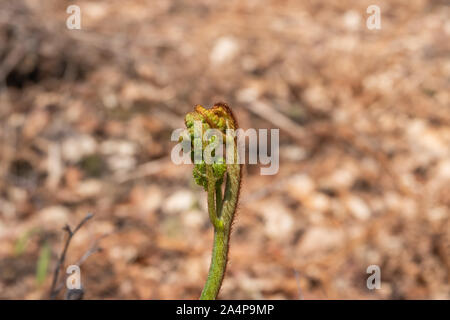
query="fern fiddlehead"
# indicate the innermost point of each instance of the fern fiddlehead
(221, 181)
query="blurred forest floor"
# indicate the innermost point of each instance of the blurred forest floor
(364, 117)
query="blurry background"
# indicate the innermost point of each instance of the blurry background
(364, 117)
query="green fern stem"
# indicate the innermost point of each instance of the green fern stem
(218, 265)
(222, 228)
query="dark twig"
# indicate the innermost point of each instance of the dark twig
(94, 248)
(62, 257)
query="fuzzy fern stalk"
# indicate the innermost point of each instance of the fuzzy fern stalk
(221, 180)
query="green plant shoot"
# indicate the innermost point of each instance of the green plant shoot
(222, 183)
